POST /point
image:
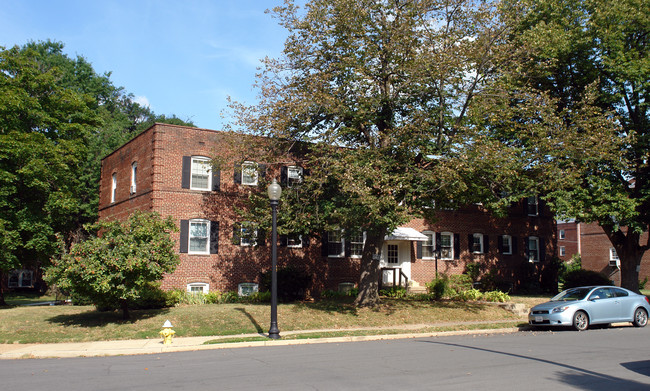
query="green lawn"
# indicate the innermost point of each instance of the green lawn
(26, 324)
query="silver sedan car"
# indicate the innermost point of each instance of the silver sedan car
(589, 305)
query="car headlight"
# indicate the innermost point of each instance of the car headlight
(559, 309)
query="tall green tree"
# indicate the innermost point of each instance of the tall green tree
(115, 268)
(379, 91)
(574, 100)
(58, 118)
(43, 129)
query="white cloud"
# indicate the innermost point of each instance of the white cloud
(142, 101)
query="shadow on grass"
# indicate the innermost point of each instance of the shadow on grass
(96, 318)
(340, 305)
(251, 318)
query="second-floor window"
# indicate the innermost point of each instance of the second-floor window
(134, 173)
(249, 173)
(532, 206)
(476, 243)
(113, 187)
(201, 174)
(506, 244)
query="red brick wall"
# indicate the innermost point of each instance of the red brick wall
(159, 151)
(514, 269)
(595, 253)
(570, 241)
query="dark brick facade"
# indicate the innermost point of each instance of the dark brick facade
(596, 255)
(159, 153)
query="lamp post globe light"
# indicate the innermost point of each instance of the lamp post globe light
(274, 191)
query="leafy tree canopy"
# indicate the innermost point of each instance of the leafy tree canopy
(380, 90)
(116, 266)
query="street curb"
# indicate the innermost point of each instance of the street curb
(142, 347)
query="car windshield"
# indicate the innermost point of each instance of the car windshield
(572, 294)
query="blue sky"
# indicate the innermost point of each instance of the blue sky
(180, 57)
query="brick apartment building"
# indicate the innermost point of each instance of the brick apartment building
(595, 249)
(165, 169)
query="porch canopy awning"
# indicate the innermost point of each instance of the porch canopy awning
(405, 233)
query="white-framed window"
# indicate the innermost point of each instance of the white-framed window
(446, 245)
(335, 244)
(247, 288)
(201, 173)
(429, 247)
(134, 174)
(393, 253)
(532, 206)
(198, 287)
(476, 247)
(21, 279)
(506, 244)
(562, 251)
(247, 234)
(249, 173)
(533, 249)
(356, 244)
(199, 236)
(562, 234)
(614, 260)
(294, 175)
(113, 187)
(294, 241)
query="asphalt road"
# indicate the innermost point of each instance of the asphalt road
(609, 359)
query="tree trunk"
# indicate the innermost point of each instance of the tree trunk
(125, 310)
(369, 279)
(629, 250)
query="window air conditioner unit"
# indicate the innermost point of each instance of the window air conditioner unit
(615, 263)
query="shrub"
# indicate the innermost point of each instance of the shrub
(469, 295)
(439, 287)
(496, 296)
(460, 282)
(582, 277)
(395, 292)
(292, 283)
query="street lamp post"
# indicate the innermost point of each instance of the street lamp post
(274, 191)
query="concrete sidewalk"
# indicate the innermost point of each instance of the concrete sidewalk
(181, 344)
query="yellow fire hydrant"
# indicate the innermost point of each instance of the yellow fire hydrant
(167, 333)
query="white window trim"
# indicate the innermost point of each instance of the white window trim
(299, 245)
(203, 161)
(613, 256)
(433, 245)
(363, 243)
(451, 246)
(480, 242)
(562, 251)
(507, 251)
(205, 287)
(342, 253)
(205, 251)
(252, 166)
(294, 180)
(562, 234)
(134, 173)
(250, 241)
(534, 239)
(113, 187)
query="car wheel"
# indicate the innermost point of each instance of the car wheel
(640, 318)
(580, 321)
